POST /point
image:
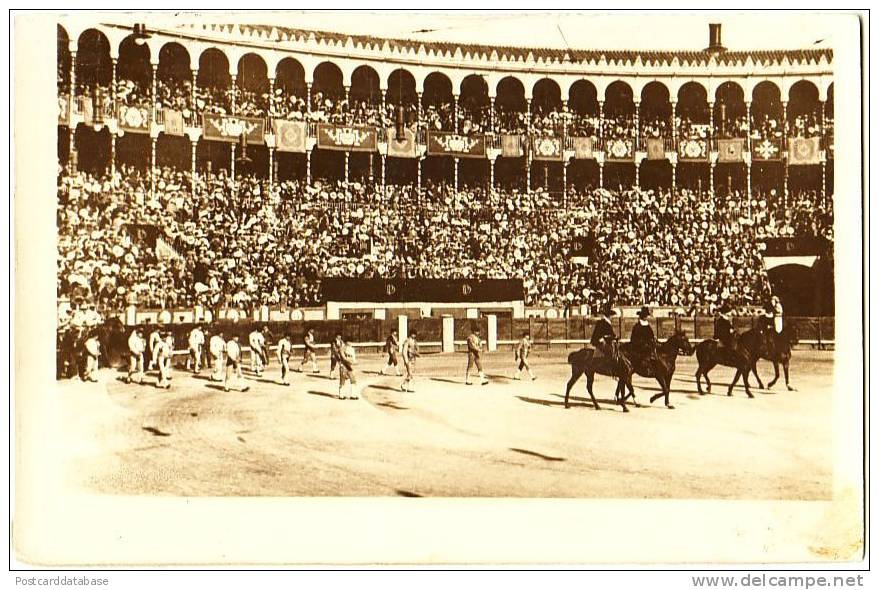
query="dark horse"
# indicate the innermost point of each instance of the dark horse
(662, 368)
(747, 347)
(616, 365)
(777, 349)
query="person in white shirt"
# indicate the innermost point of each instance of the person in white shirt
(233, 363)
(92, 352)
(154, 338)
(217, 347)
(169, 343)
(257, 351)
(196, 344)
(136, 346)
(347, 359)
(309, 353)
(162, 354)
(285, 349)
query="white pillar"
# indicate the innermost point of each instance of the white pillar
(492, 332)
(403, 327)
(448, 334)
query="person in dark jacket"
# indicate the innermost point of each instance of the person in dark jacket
(602, 333)
(723, 328)
(642, 338)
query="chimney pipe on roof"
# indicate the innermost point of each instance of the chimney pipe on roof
(714, 43)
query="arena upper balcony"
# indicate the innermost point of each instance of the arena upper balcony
(294, 90)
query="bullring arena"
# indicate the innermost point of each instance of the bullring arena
(250, 176)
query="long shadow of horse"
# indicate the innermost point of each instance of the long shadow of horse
(555, 404)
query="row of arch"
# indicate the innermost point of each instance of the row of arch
(172, 60)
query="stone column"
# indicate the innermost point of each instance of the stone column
(234, 94)
(271, 168)
(192, 92)
(115, 115)
(193, 173)
(152, 167)
(637, 128)
(491, 117)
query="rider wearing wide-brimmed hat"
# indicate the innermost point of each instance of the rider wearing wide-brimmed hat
(642, 338)
(723, 328)
(602, 333)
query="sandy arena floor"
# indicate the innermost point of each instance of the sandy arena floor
(508, 438)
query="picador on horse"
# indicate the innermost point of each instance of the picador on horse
(643, 340)
(723, 329)
(603, 335)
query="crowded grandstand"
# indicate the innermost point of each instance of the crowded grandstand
(239, 166)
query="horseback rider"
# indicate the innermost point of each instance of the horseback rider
(603, 334)
(723, 328)
(643, 340)
(777, 314)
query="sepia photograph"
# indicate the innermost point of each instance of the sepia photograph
(413, 260)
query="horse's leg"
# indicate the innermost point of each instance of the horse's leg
(754, 370)
(620, 393)
(632, 391)
(590, 379)
(785, 363)
(576, 372)
(659, 380)
(734, 381)
(745, 372)
(774, 379)
(698, 379)
(668, 393)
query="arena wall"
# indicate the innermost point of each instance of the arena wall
(368, 335)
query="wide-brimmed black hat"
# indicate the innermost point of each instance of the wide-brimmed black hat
(608, 310)
(644, 312)
(725, 308)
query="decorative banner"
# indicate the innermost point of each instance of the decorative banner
(421, 290)
(450, 144)
(766, 149)
(348, 138)
(730, 150)
(63, 109)
(512, 146)
(803, 150)
(582, 249)
(173, 122)
(693, 149)
(88, 111)
(403, 147)
(290, 135)
(619, 149)
(655, 148)
(226, 128)
(134, 119)
(583, 148)
(547, 148)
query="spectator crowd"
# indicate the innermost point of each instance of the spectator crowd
(237, 242)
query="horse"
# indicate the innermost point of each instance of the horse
(662, 368)
(710, 354)
(615, 365)
(777, 350)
